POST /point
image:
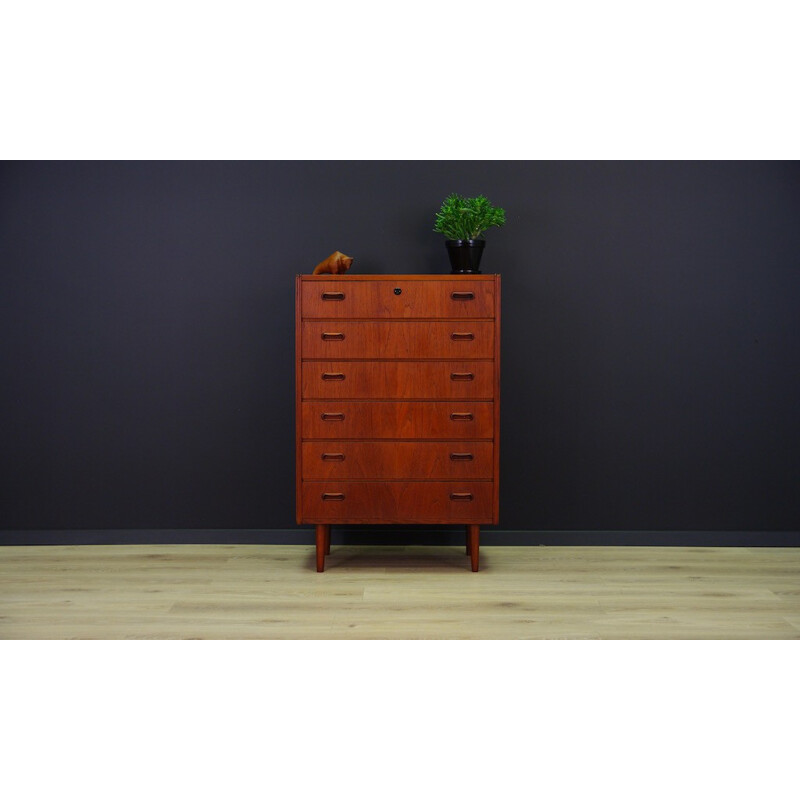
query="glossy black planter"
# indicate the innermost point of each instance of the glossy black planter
(465, 254)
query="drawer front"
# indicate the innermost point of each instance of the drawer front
(398, 379)
(353, 299)
(433, 502)
(398, 339)
(325, 419)
(369, 461)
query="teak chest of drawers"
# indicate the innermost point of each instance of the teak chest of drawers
(397, 402)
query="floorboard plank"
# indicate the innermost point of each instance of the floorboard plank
(395, 592)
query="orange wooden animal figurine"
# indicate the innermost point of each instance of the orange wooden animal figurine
(335, 264)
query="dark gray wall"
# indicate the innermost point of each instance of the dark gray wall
(650, 336)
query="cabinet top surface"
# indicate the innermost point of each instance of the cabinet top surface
(399, 277)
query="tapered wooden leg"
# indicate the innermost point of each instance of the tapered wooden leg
(327, 540)
(474, 534)
(323, 532)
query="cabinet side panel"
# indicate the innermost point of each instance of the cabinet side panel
(496, 509)
(298, 387)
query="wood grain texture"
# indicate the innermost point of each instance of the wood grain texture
(397, 420)
(323, 533)
(395, 502)
(473, 532)
(370, 299)
(404, 380)
(396, 592)
(496, 409)
(373, 339)
(393, 278)
(298, 394)
(414, 460)
(389, 367)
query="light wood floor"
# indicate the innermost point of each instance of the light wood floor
(273, 592)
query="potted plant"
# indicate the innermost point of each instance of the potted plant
(463, 220)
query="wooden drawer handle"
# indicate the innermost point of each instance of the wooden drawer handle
(333, 456)
(459, 416)
(458, 376)
(332, 416)
(333, 496)
(461, 456)
(333, 376)
(462, 337)
(460, 496)
(333, 295)
(332, 337)
(462, 296)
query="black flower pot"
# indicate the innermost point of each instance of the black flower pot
(465, 254)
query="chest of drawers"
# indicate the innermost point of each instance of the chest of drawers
(397, 402)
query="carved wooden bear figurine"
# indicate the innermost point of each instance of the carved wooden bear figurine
(335, 264)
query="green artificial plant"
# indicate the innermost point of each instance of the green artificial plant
(467, 217)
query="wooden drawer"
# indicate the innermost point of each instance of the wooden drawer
(351, 298)
(329, 419)
(398, 339)
(348, 460)
(398, 379)
(375, 502)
